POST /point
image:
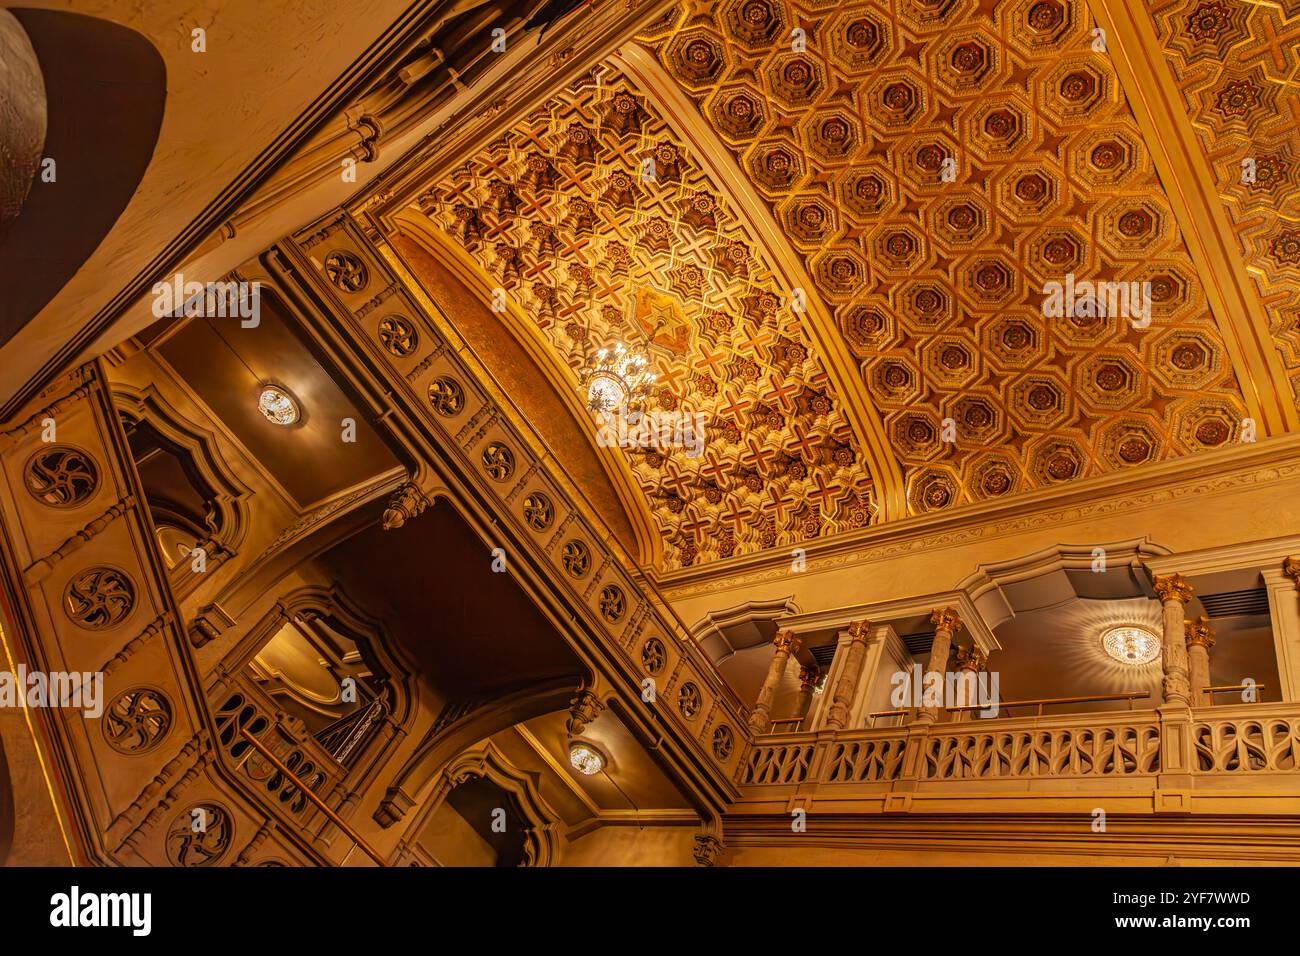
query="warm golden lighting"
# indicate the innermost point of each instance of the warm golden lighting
(1131, 645)
(617, 379)
(586, 759)
(278, 405)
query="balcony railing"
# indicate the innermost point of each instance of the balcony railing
(1132, 745)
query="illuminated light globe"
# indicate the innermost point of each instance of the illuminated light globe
(586, 759)
(278, 406)
(1131, 645)
(617, 380)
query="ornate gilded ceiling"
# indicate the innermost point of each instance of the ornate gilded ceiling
(559, 214)
(1236, 65)
(938, 285)
(931, 167)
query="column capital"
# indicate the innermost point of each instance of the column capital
(945, 619)
(1199, 633)
(1173, 587)
(860, 630)
(786, 641)
(1291, 568)
(971, 659)
(809, 676)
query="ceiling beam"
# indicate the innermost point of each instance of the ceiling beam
(1189, 183)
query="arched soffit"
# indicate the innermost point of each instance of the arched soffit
(543, 822)
(105, 89)
(545, 390)
(936, 171)
(558, 213)
(1108, 571)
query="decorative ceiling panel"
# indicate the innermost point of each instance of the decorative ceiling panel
(1237, 66)
(560, 214)
(937, 163)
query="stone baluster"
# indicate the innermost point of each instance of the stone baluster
(846, 688)
(946, 622)
(1174, 594)
(1199, 638)
(760, 721)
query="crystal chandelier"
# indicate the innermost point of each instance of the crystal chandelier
(1131, 645)
(586, 759)
(617, 379)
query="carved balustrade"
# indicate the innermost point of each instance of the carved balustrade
(1132, 747)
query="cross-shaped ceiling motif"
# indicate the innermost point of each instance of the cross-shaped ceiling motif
(599, 246)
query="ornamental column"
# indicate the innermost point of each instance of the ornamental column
(1174, 593)
(846, 688)
(808, 678)
(1200, 638)
(946, 622)
(760, 720)
(971, 662)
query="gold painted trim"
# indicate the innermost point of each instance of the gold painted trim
(455, 258)
(1158, 108)
(842, 370)
(40, 756)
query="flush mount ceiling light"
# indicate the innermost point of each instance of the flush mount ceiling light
(1131, 645)
(586, 759)
(278, 405)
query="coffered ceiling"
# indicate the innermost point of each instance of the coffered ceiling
(855, 216)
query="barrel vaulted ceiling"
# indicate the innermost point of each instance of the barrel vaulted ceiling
(926, 167)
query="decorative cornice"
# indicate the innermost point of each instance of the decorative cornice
(1221, 471)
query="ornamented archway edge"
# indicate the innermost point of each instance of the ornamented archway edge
(682, 115)
(1144, 73)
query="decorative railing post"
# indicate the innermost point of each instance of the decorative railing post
(1175, 713)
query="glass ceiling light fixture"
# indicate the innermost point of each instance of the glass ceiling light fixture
(585, 758)
(1131, 645)
(617, 380)
(278, 406)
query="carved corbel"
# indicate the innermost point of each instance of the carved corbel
(406, 503)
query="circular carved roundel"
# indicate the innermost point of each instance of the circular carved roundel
(538, 511)
(654, 655)
(99, 597)
(446, 396)
(61, 477)
(724, 741)
(612, 603)
(346, 271)
(398, 335)
(499, 461)
(576, 558)
(137, 720)
(200, 836)
(689, 700)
